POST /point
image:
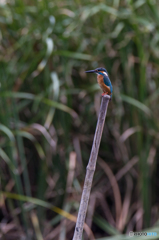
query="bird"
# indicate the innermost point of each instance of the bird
(103, 80)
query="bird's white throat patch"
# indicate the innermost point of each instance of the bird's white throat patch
(105, 74)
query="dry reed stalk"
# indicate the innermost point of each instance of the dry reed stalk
(91, 169)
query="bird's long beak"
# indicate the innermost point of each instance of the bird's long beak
(91, 71)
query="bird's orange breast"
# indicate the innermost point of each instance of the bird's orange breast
(101, 83)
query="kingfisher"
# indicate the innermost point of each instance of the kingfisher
(103, 80)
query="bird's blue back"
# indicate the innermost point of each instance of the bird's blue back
(107, 82)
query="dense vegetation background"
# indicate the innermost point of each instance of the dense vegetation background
(49, 109)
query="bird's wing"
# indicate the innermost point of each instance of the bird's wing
(108, 84)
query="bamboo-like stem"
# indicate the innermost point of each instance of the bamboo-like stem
(91, 169)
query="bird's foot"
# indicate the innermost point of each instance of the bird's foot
(104, 93)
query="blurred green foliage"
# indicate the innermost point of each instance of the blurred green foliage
(49, 108)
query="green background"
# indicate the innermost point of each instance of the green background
(49, 109)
